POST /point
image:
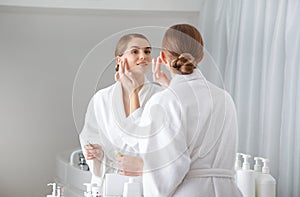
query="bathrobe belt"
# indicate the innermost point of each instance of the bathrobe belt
(210, 172)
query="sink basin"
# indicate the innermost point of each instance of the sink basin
(70, 175)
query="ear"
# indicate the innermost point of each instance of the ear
(118, 59)
(163, 57)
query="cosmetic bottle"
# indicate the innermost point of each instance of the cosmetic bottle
(97, 192)
(257, 166)
(132, 188)
(53, 190)
(59, 191)
(88, 192)
(237, 165)
(246, 178)
(265, 183)
(257, 170)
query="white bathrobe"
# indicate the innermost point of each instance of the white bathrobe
(188, 139)
(102, 125)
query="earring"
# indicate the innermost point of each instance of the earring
(117, 67)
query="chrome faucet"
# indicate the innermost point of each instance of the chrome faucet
(81, 160)
(82, 163)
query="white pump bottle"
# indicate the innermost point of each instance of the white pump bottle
(257, 166)
(88, 192)
(246, 178)
(265, 183)
(237, 165)
(257, 171)
(132, 188)
(53, 190)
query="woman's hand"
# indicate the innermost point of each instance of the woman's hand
(132, 80)
(130, 165)
(93, 151)
(158, 75)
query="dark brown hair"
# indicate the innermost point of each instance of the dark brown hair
(183, 47)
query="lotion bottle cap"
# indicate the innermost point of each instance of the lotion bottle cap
(265, 168)
(53, 188)
(246, 164)
(257, 166)
(238, 163)
(88, 187)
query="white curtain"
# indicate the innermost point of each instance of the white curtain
(256, 45)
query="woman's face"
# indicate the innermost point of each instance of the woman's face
(138, 53)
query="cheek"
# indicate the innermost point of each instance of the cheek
(149, 58)
(131, 63)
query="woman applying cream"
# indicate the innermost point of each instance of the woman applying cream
(101, 135)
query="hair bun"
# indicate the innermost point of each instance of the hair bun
(184, 63)
(187, 56)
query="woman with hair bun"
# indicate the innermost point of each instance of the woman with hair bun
(187, 132)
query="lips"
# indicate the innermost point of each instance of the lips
(142, 64)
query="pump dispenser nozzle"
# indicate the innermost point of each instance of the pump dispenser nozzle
(257, 166)
(88, 192)
(238, 163)
(60, 192)
(265, 168)
(53, 188)
(246, 164)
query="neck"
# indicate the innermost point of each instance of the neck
(127, 94)
(130, 100)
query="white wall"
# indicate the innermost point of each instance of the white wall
(153, 5)
(40, 52)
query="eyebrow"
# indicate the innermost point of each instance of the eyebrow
(140, 47)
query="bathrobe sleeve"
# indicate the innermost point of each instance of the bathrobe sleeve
(163, 147)
(91, 133)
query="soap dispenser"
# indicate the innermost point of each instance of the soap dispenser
(246, 178)
(97, 192)
(53, 189)
(132, 188)
(266, 184)
(257, 166)
(257, 170)
(238, 164)
(88, 192)
(59, 191)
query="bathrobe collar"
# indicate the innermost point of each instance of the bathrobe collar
(119, 112)
(197, 74)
